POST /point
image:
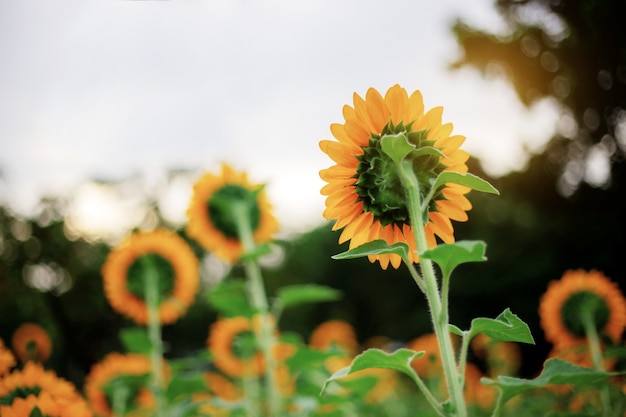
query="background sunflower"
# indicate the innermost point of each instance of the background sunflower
(175, 264)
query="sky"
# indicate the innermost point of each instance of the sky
(116, 88)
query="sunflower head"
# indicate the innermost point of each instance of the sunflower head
(225, 209)
(365, 194)
(159, 255)
(579, 297)
(115, 374)
(31, 343)
(336, 334)
(232, 343)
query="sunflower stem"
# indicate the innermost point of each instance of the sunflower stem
(258, 298)
(120, 396)
(151, 283)
(439, 314)
(593, 341)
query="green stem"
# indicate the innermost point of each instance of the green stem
(151, 283)
(439, 315)
(258, 298)
(465, 341)
(430, 398)
(416, 276)
(593, 341)
(120, 396)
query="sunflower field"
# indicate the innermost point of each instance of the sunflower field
(359, 318)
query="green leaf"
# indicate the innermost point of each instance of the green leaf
(293, 295)
(136, 340)
(555, 371)
(455, 330)
(376, 247)
(307, 358)
(450, 255)
(400, 360)
(261, 250)
(185, 384)
(467, 179)
(229, 298)
(396, 147)
(507, 327)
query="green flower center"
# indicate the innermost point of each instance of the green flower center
(222, 202)
(378, 184)
(150, 263)
(244, 345)
(584, 302)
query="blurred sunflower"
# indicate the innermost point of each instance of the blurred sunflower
(33, 386)
(212, 219)
(128, 373)
(31, 342)
(364, 192)
(233, 347)
(501, 358)
(171, 260)
(7, 360)
(335, 334)
(429, 365)
(579, 291)
(476, 392)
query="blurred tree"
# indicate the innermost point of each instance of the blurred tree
(573, 51)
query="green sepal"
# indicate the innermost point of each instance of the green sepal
(400, 360)
(450, 255)
(136, 340)
(376, 247)
(36, 412)
(555, 371)
(397, 147)
(507, 327)
(292, 295)
(467, 180)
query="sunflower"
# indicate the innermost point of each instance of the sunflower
(128, 371)
(7, 360)
(501, 358)
(31, 342)
(33, 386)
(561, 305)
(175, 264)
(211, 220)
(428, 365)
(233, 346)
(475, 391)
(335, 333)
(364, 192)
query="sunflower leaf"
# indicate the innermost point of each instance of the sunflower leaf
(229, 298)
(136, 340)
(555, 371)
(467, 179)
(450, 255)
(183, 384)
(397, 147)
(292, 295)
(507, 327)
(400, 360)
(375, 247)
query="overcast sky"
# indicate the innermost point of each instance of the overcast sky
(112, 88)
